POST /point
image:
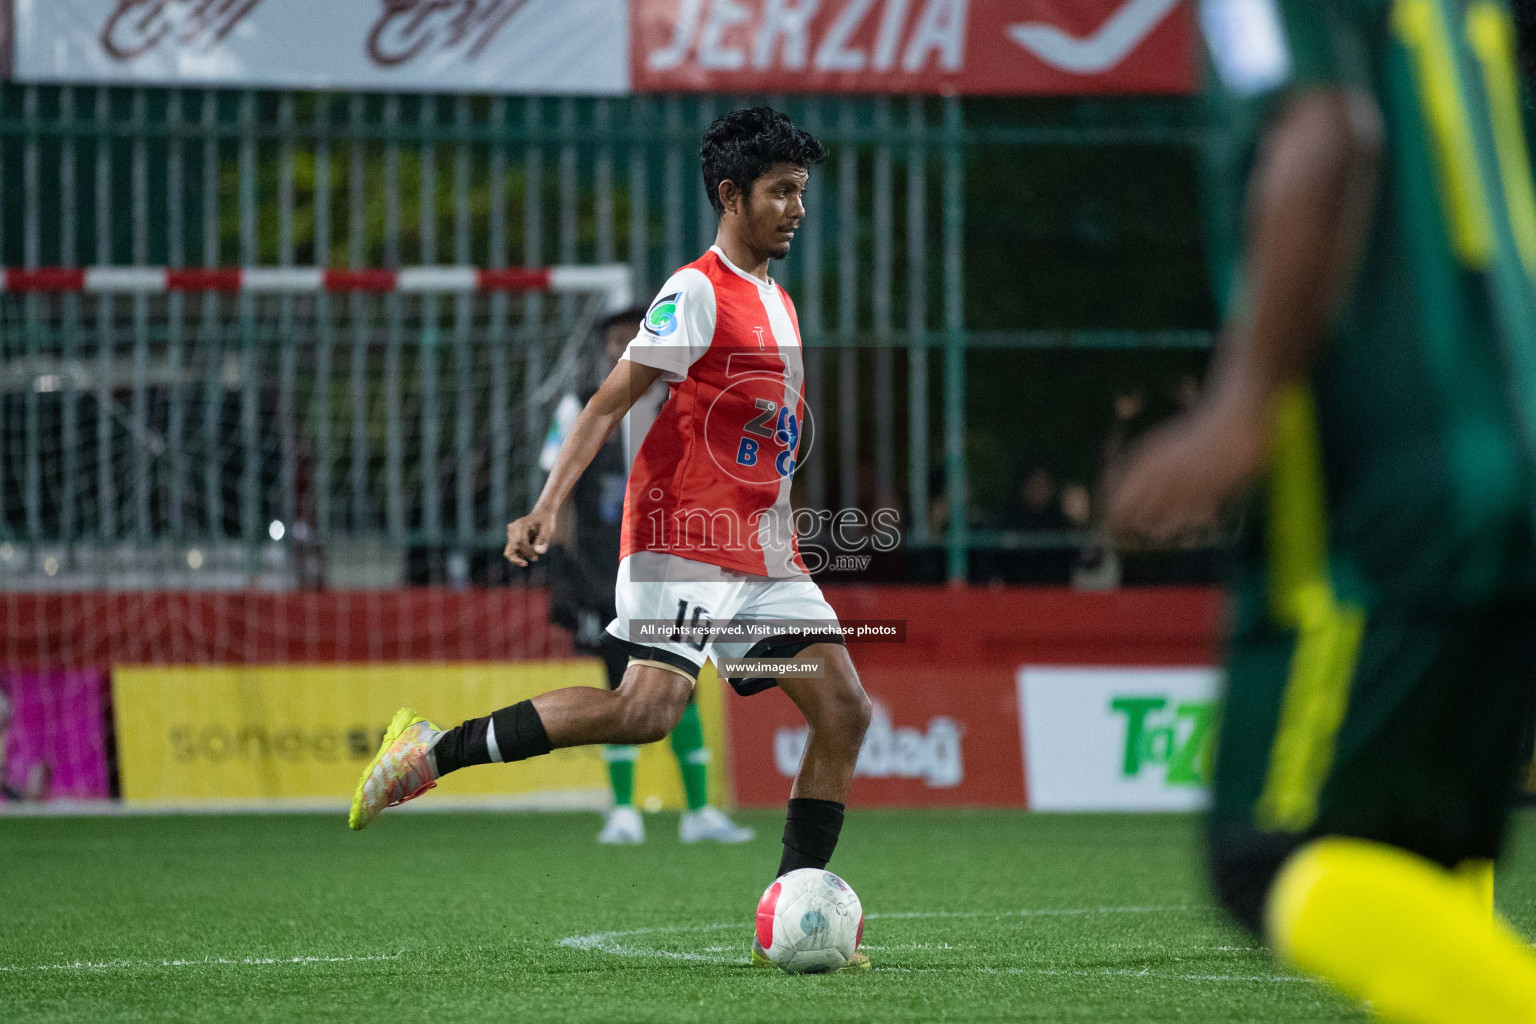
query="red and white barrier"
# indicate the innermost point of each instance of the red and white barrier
(614, 280)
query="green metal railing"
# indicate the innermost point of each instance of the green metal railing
(216, 178)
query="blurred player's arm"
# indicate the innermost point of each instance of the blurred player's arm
(565, 524)
(1312, 203)
(565, 416)
(678, 329)
(1310, 206)
(1525, 25)
(530, 536)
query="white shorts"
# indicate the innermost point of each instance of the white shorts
(656, 587)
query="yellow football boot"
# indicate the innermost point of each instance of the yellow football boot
(402, 770)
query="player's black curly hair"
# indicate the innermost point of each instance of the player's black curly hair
(744, 144)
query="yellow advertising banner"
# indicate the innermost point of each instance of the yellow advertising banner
(303, 733)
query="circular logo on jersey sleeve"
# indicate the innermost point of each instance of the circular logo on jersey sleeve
(662, 318)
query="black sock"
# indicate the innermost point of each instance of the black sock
(518, 732)
(811, 829)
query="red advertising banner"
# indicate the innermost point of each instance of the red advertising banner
(249, 627)
(937, 739)
(612, 47)
(973, 47)
(946, 730)
(946, 724)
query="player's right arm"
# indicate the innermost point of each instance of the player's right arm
(530, 536)
(676, 332)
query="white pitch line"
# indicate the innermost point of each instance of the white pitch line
(608, 942)
(211, 961)
(605, 942)
(1110, 972)
(1069, 912)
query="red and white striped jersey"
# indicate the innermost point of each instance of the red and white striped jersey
(711, 481)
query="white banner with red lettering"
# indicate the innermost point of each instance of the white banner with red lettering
(532, 46)
(614, 47)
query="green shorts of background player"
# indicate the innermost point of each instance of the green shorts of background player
(1400, 728)
(701, 822)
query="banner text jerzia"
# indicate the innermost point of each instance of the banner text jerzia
(615, 47)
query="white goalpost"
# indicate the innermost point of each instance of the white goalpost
(168, 428)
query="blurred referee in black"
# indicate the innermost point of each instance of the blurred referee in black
(583, 566)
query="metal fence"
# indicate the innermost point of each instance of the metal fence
(209, 178)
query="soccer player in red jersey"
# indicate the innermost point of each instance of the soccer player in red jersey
(708, 534)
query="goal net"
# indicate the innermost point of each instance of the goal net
(247, 515)
(263, 465)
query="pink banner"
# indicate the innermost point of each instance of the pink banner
(53, 736)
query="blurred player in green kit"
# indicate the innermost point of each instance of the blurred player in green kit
(1377, 382)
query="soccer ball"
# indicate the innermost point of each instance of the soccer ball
(810, 921)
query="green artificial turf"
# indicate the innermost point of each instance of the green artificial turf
(460, 917)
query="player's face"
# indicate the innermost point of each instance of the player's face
(775, 208)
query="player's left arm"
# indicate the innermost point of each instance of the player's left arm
(1311, 199)
(530, 536)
